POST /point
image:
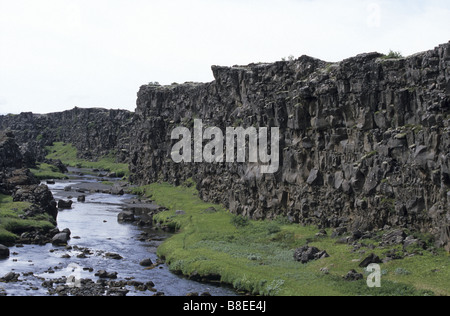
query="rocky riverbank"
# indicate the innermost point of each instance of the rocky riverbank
(97, 255)
(26, 206)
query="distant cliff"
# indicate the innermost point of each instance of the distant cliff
(364, 143)
(94, 132)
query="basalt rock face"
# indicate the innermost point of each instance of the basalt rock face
(94, 132)
(17, 181)
(364, 143)
(10, 156)
(11, 162)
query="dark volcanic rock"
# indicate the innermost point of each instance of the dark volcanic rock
(102, 274)
(146, 263)
(60, 239)
(114, 256)
(10, 277)
(4, 252)
(39, 195)
(67, 205)
(306, 254)
(372, 258)
(10, 156)
(353, 276)
(395, 237)
(94, 132)
(366, 139)
(126, 216)
(18, 182)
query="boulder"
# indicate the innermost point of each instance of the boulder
(60, 239)
(413, 244)
(146, 263)
(372, 258)
(353, 276)
(126, 216)
(306, 254)
(102, 274)
(10, 277)
(117, 190)
(65, 205)
(394, 237)
(67, 231)
(4, 252)
(112, 255)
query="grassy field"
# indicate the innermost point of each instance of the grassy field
(11, 223)
(67, 153)
(257, 256)
(46, 171)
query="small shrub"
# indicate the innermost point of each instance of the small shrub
(393, 55)
(401, 271)
(254, 257)
(240, 221)
(273, 228)
(283, 220)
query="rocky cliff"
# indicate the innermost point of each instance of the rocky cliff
(94, 132)
(18, 182)
(364, 142)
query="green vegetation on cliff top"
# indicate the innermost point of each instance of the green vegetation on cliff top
(257, 256)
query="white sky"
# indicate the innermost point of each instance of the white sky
(58, 54)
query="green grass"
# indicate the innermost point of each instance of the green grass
(12, 225)
(110, 183)
(257, 256)
(46, 171)
(67, 153)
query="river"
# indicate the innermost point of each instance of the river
(95, 232)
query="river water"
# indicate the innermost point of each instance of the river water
(96, 232)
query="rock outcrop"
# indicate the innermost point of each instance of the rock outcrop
(364, 143)
(18, 182)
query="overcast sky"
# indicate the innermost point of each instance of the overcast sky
(58, 54)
